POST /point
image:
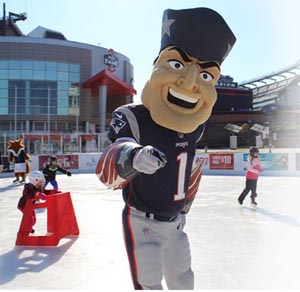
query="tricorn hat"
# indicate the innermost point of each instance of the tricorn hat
(201, 32)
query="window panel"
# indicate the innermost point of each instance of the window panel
(3, 64)
(27, 74)
(26, 64)
(3, 74)
(14, 74)
(38, 75)
(39, 65)
(63, 67)
(14, 64)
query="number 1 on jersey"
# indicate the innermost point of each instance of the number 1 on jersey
(182, 160)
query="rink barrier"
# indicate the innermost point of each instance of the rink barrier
(61, 221)
(86, 162)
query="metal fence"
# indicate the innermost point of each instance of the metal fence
(56, 143)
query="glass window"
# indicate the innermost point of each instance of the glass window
(51, 75)
(3, 84)
(74, 77)
(63, 108)
(3, 64)
(63, 86)
(39, 97)
(3, 74)
(74, 68)
(3, 93)
(14, 74)
(17, 96)
(26, 64)
(63, 76)
(51, 66)
(26, 74)
(38, 75)
(62, 94)
(14, 64)
(63, 67)
(3, 105)
(39, 65)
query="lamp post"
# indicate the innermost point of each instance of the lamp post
(16, 108)
(48, 120)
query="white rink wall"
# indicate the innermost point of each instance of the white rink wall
(281, 162)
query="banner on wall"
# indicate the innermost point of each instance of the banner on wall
(65, 161)
(272, 161)
(221, 161)
(204, 160)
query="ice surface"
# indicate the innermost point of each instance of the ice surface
(233, 247)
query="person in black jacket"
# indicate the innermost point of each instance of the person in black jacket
(50, 172)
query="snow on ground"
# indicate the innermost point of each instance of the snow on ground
(233, 247)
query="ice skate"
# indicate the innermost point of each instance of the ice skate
(16, 180)
(240, 201)
(253, 202)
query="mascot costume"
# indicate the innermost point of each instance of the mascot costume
(154, 143)
(20, 158)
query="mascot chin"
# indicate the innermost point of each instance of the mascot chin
(20, 158)
(152, 157)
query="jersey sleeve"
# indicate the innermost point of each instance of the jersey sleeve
(193, 184)
(114, 167)
(119, 126)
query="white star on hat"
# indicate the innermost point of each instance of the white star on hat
(166, 26)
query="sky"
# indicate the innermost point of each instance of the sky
(267, 31)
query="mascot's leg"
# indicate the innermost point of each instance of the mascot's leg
(17, 177)
(26, 172)
(23, 176)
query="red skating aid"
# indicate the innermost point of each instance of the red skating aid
(61, 221)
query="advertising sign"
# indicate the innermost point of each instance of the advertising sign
(64, 161)
(272, 161)
(110, 60)
(221, 161)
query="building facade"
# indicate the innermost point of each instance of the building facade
(51, 85)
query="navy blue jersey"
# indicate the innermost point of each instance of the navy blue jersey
(162, 193)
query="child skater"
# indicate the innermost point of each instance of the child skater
(252, 172)
(50, 172)
(32, 191)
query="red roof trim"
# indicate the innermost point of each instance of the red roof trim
(115, 85)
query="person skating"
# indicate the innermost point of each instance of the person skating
(32, 191)
(252, 172)
(50, 172)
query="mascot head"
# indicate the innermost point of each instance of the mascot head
(180, 92)
(15, 146)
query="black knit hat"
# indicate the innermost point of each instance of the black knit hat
(201, 32)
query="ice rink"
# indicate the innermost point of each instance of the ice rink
(233, 247)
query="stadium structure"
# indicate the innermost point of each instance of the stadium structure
(59, 95)
(264, 111)
(56, 93)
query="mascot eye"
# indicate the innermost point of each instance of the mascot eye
(206, 76)
(176, 64)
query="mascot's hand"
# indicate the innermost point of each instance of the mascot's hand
(69, 173)
(148, 160)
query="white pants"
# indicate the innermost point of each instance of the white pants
(155, 250)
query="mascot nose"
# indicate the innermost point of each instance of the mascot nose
(189, 81)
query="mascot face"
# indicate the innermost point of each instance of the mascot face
(15, 146)
(180, 93)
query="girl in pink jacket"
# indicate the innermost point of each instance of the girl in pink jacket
(252, 173)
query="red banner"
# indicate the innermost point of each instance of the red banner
(65, 161)
(221, 161)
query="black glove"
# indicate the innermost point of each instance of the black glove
(69, 173)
